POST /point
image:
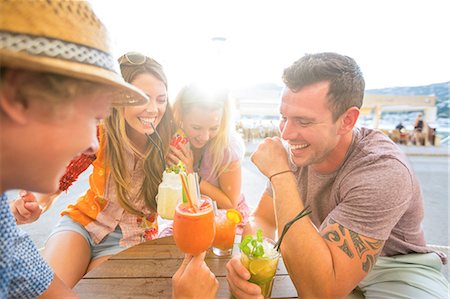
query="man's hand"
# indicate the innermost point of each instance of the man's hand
(26, 209)
(238, 277)
(194, 279)
(270, 157)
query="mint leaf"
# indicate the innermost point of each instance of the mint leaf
(259, 235)
(246, 240)
(252, 246)
(244, 245)
(246, 250)
(259, 250)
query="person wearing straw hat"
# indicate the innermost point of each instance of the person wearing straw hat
(57, 79)
(365, 229)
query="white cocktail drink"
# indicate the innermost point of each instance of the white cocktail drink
(169, 195)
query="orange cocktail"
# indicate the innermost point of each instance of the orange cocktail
(194, 231)
(226, 221)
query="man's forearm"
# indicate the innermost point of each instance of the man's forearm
(305, 253)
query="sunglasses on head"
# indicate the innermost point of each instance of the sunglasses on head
(135, 58)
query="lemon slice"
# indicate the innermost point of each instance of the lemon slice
(259, 267)
(234, 216)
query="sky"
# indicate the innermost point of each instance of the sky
(396, 43)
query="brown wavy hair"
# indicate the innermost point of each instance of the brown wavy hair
(117, 139)
(344, 75)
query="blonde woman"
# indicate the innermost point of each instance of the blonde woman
(214, 150)
(119, 208)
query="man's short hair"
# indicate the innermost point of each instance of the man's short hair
(50, 91)
(346, 81)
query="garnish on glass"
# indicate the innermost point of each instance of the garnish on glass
(177, 168)
(253, 246)
(303, 213)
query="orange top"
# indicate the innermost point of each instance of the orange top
(98, 210)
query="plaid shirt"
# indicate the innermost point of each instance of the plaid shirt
(99, 210)
(135, 229)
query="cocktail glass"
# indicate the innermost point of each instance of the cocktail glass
(169, 195)
(225, 233)
(194, 231)
(263, 268)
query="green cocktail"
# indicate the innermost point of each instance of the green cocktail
(260, 258)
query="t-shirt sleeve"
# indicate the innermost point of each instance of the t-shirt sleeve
(236, 149)
(374, 198)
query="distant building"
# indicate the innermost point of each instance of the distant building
(376, 104)
(263, 101)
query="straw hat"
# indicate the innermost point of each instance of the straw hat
(62, 37)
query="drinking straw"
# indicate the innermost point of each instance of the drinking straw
(161, 156)
(300, 215)
(192, 190)
(157, 135)
(215, 208)
(183, 182)
(197, 185)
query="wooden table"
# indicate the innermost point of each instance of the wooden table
(145, 271)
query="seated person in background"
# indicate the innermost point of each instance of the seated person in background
(365, 229)
(402, 133)
(50, 106)
(419, 130)
(215, 150)
(400, 127)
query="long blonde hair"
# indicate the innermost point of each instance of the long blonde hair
(117, 139)
(218, 147)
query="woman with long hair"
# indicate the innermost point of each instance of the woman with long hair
(119, 208)
(214, 150)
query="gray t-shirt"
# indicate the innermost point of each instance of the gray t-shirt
(374, 193)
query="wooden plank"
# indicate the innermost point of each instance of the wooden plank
(161, 248)
(160, 241)
(283, 287)
(159, 251)
(154, 251)
(124, 288)
(160, 288)
(156, 268)
(152, 268)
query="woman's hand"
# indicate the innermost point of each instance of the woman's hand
(182, 153)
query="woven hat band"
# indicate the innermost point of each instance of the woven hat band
(55, 48)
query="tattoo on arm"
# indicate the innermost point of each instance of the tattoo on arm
(363, 247)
